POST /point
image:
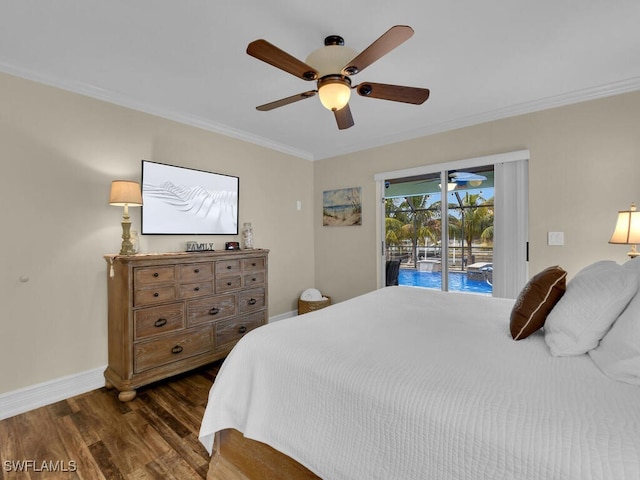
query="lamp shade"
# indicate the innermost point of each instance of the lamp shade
(628, 227)
(124, 192)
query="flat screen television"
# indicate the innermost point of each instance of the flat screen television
(185, 201)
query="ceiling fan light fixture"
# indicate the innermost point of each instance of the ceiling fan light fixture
(450, 186)
(334, 92)
(330, 59)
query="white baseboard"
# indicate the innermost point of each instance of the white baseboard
(46, 393)
(282, 316)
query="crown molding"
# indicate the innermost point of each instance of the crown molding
(577, 96)
(115, 98)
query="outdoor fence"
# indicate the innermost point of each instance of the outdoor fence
(458, 256)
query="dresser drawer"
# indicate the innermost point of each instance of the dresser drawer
(195, 272)
(255, 278)
(232, 330)
(172, 348)
(225, 284)
(227, 266)
(196, 289)
(253, 264)
(150, 296)
(144, 276)
(253, 299)
(156, 320)
(211, 309)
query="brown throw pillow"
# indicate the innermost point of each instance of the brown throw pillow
(536, 300)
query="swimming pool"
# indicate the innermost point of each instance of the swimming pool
(458, 282)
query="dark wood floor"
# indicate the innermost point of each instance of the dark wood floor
(95, 436)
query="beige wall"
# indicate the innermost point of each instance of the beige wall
(58, 154)
(584, 167)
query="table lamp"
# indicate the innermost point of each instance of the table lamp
(125, 194)
(627, 230)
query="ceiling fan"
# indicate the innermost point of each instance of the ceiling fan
(332, 67)
(466, 178)
(458, 179)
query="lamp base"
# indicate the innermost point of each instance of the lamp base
(127, 245)
(125, 250)
(634, 252)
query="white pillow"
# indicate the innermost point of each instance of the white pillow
(633, 266)
(618, 354)
(594, 299)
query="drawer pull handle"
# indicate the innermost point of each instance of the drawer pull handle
(252, 301)
(253, 264)
(156, 294)
(242, 329)
(214, 311)
(177, 349)
(229, 284)
(156, 274)
(253, 279)
(228, 267)
(161, 322)
(197, 289)
(197, 270)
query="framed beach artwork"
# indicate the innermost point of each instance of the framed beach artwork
(342, 207)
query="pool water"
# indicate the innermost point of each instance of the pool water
(458, 282)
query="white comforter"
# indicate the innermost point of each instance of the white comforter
(407, 383)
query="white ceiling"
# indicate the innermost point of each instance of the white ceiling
(186, 60)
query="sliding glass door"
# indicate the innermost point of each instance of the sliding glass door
(462, 259)
(413, 228)
(460, 226)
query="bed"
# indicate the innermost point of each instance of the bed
(409, 383)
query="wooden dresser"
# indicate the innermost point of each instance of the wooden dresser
(169, 313)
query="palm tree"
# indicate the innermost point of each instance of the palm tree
(487, 235)
(420, 221)
(476, 218)
(393, 232)
(413, 219)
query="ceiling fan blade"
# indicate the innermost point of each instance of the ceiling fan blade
(395, 93)
(389, 40)
(344, 117)
(466, 176)
(269, 53)
(286, 101)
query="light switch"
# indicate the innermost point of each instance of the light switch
(555, 238)
(299, 205)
